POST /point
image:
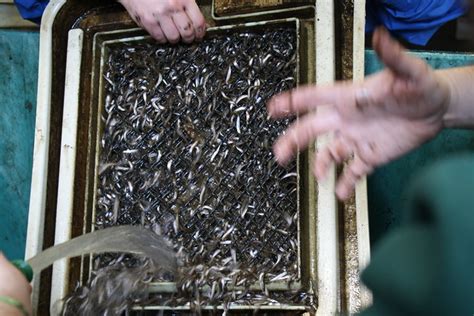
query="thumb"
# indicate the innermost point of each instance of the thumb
(394, 56)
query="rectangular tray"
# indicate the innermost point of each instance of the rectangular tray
(103, 41)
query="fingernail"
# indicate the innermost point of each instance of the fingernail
(277, 153)
(319, 170)
(270, 111)
(276, 105)
(340, 193)
(272, 106)
(321, 175)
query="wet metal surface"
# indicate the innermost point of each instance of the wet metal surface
(232, 7)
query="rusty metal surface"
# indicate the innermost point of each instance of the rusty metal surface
(232, 7)
(350, 296)
(350, 280)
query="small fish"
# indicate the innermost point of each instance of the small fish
(237, 125)
(215, 153)
(229, 73)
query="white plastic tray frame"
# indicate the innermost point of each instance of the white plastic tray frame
(327, 261)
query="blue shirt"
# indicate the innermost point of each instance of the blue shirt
(416, 21)
(31, 9)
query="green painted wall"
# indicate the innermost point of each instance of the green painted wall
(18, 80)
(387, 184)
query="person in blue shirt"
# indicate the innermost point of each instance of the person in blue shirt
(165, 20)
(413, 22)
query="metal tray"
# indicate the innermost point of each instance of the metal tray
(103, 41)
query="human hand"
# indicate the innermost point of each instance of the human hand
(168, 20)
(374, 122)
(13, 284)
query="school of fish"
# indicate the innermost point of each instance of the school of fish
(186, 151)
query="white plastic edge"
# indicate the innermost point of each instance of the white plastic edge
(36, 213)
(363, 235)
(67, 162)
(327, 224)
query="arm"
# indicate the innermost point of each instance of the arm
(460, 113)
(375, 121)
(168, 20)
(9, 310)
(13, 285)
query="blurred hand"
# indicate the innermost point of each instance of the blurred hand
(13, 284)
(374, 122)
(168, 20)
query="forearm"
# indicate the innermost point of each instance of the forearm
(8, 310)
(460, 107)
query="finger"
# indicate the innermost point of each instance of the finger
(158, 34)
(393, 55)
(138, 20)
(301, 100)
(152, 26)
(351, 174)
(370, 153)
(336, 152)
(301, 133)
(184, 26)
(168, 27)
(197, 19)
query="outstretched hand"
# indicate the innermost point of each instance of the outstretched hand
(374, 122)
(168, 20)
